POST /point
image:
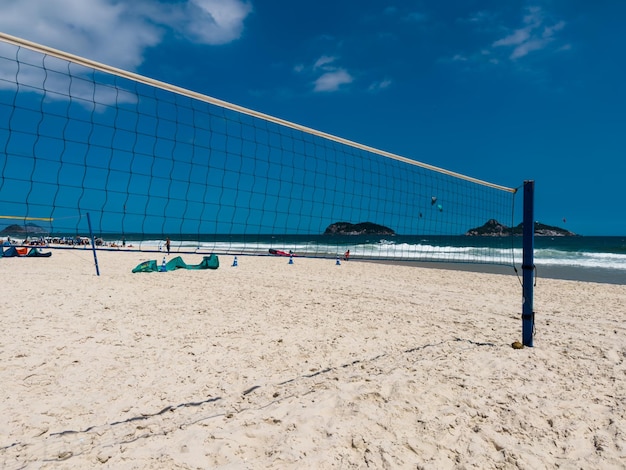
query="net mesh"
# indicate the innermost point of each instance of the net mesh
(150, 162)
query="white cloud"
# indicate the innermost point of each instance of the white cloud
(214, 21)
(534, 36)
(117, 33)
(324, 62)
(96, 29)
(332, 75)
(549, 31)
(517, 37)
(113, 32)
(536, 32)
(383, 84)
(331, 81)
(534, 17)
(527, 47)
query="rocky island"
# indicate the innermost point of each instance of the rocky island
(26, 229)
(493, 228)
(363, 228)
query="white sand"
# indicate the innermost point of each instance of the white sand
(310, 365)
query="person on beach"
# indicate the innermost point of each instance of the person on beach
(346, 255)
(167, 245)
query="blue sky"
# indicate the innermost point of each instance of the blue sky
(501, 91)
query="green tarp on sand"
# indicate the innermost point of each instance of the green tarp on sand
(208, 262)
(37, 253)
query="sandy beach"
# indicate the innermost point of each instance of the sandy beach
(304, 365)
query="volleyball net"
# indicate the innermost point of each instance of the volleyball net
(149, 161)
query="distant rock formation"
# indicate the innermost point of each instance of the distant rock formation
(26, 229)
(363, 228)
(542, 230)
(493, 228)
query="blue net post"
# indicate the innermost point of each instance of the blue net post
(93, 244)
(528, 264)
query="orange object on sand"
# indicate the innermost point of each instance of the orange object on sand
(21, 250)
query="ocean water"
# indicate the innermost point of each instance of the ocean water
(583, 258)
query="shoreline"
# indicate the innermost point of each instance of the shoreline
(567, 273)
(564, 273)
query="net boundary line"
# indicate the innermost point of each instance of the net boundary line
(16, 41)
(42, 219)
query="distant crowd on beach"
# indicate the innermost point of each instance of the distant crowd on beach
(73, 241)
(41, 241)
(45, 241)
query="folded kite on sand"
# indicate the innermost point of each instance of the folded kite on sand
(208, 262)
(280, 252)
